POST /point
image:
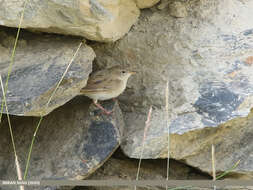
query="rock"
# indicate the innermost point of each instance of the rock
(205, 57)
(40, 62)
(71, 143)
(163, 4)
(232, 142)
(177, 9)
(93, 19)
(146, 3)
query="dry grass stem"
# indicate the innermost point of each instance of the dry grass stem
(228, 171)
(49, 100)
(213, 163)
(19, 172)
(147, 123)
(168, 128)
(65, 72)
(18, 169)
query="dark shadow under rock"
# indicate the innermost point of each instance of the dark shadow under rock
(122, 167)
(119, 167)
(71, 143)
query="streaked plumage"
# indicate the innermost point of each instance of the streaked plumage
(106, 84)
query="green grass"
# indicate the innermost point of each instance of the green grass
(13, 55)
(228, 171)
(41, 117)
(4, 103)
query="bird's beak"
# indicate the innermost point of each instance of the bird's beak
(133, 72)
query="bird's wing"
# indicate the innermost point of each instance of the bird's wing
(100, 82)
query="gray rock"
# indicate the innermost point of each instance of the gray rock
(93, 19)
(207, 59)
(177, 9)
(232, 142)
(71, 143)
(40, 62)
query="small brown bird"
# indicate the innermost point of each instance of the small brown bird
(106, 84)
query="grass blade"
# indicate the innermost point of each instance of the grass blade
(229, 170)
(48, 102)
(147, 123)
(213, 165)
(18, 169)
(168, 129)
(13, 55)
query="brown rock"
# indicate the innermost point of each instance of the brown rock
(93, 19)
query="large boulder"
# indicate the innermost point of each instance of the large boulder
(39, 64)
(71, 143)
(232, 141)
(93, 19)
(206, 56)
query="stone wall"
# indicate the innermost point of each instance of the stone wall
(203, 50)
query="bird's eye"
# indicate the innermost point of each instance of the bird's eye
(123, 72)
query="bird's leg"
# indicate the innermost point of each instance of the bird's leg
(101, 107)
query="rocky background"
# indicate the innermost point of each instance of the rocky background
(203, 50)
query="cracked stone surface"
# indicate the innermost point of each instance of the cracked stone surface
(206, 57)
(93, 19)
(71, 143)
(39, 64)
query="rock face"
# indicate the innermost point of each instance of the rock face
(232, 141)
(177, 9)
(207, 59)
(40, 62)
(93, 19)
(71, 143)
